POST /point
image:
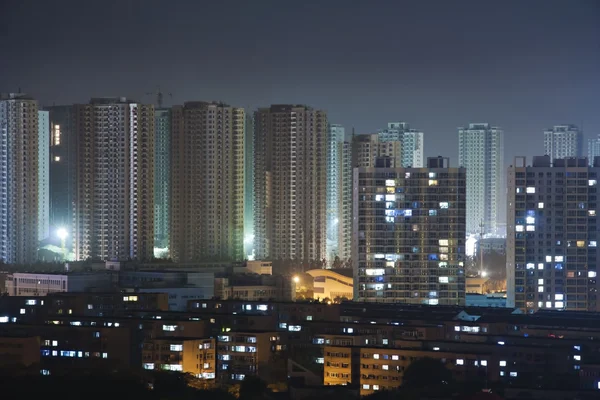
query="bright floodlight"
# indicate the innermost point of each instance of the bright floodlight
(296, 279)
(483, 274)
(62, 233)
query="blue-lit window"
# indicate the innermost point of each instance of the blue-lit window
(558, 266)
(433, 257)
(432, 213)
(45, 353)
(530, 213)
(415, 204)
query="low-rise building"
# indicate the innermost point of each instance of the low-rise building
(188, 355)
(332, 284)
(40, 284)
(18, 351)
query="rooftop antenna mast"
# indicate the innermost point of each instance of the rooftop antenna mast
(159, 96)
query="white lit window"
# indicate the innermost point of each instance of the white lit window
(484, 363)
(559, 304)
(591, 213)
(376, 356)
(540, 289)
(548, 258)
(443, 204)
(503, 363)
(559, 258)
(540, 304)
(385, 367)
(540, 205)
(530, 228)
(519, 228)
(390, 182)
(592, 182)
(320, 360)
(460, 361)
(540, 281)
(3, 320)
(395, 358)
(436, 349)
(559, 296)
(577, 358)
(54, 343)
(148, 365)
(548, 304)
(443, 279)
(530, 189)
(379, 197)
(366, 387)
(591, 274)
(513, 374)
(540, 265)
(530, 266)
(390, 197)
(22, 311)
(176, 347)
(169, 328)
(530, 220)
(375, 387)
(501, 373)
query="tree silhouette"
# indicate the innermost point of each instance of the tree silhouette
(427, 373)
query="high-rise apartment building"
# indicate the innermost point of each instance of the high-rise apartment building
(162, 177)
(481, 152)
(19, 170)
(412, 143)
(552, 234)
(409, 234)
(43, 175)
(339, 192)
(366, 149)
(290, 183)
(114, 199)
(249, 187)
(207, 175)
(563, 141)
(63, 171)
(593, 149)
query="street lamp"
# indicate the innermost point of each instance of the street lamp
(62, 234)
(296, 279)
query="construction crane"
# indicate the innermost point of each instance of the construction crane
(159, 96)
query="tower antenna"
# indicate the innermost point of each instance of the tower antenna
(159, 96)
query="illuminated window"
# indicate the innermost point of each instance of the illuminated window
(513, 374)
(444, 204)
(559, 296)
(559, 258)
(577, 358)
(385, 367)
(540, 281)
(540, 265)
(57, 158)
(443, 242)
(540, 289)
(460, 361)
(443, 279)
(540, 205)
(390, 182)
(376, 356)
(530, 266)
(530, 228)
(548, 258)
(592, 213)
(390, 197)
(484, 363)
(530, 190)
(581, 243)
(559, 304)
(519, 228)
(592, 182)
(433, 182)
(176, 347)
(548, 304)
(530, 220)
(432, 175)
(592, 243)
(591, 274)
(503, 363)
(375, 387)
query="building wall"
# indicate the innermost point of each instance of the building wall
(593, 149)
(409, 234)
(552, 235)
(19, 169)
(63, 171)
(481, 152)
(328, 284)
(33, 284)
(114, 202)
(249, 187)
(43, 175)
(207, 213)
(19, 351)
(335, 169)
(189, 356)
(290, 183)
(179, 297)
(162, 177)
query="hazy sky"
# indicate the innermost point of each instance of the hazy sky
(522, 65)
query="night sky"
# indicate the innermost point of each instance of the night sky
(522, 65)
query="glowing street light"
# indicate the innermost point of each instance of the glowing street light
(296, 279)
(62, 234)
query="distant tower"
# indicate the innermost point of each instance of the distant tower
(114, 200)
(19, 178)
(563, 141)
(481, 152)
